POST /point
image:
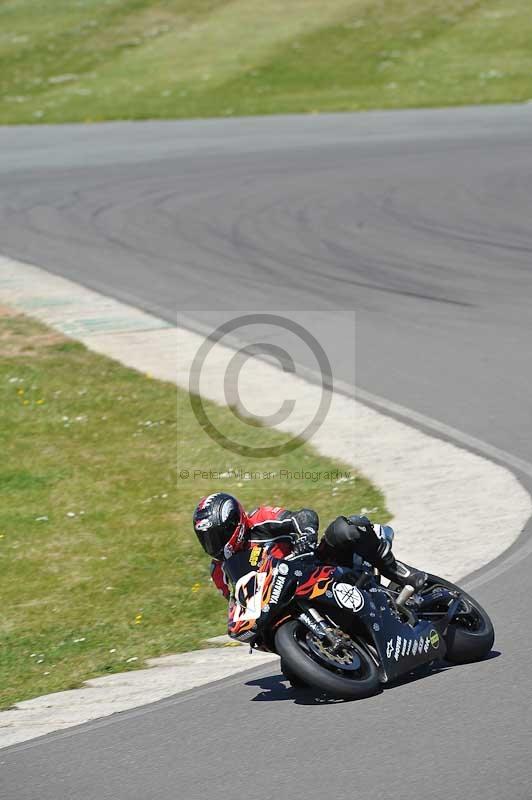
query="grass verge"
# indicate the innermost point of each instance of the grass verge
(99, 566)
(135, 59)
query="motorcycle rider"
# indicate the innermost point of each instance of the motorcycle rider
(223, 528)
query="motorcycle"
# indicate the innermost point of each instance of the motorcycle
(344, 632)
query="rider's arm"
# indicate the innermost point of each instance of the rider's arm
(219, 579)
(273, 522)
(304, 520)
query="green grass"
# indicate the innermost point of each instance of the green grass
(98, 561)
(62, 60)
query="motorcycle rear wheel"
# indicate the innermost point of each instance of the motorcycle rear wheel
(470, 635)
(291, 642)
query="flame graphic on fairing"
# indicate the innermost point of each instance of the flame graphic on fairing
(317, 584)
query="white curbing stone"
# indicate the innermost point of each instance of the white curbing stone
(100, 697)
(443, 498)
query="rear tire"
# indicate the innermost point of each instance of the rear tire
(470, 637)
(302, 662)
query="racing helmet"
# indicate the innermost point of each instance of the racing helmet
(219, 524)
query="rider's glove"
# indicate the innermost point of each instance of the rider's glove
(306, 542)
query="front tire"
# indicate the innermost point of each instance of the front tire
(300, 655)
(293, 679)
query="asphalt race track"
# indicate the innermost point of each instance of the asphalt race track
(422, 222)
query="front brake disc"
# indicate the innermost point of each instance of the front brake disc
(346, 658)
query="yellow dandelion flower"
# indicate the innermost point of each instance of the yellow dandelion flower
(40, 402)
(196, 587)
(138, 619)
(20, 392)
(26, 402)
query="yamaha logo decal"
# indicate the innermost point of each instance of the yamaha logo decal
(348, 596)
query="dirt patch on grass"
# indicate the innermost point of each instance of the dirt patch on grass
(19, 337)
(7, 312)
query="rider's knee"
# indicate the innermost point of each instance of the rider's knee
(340, 534)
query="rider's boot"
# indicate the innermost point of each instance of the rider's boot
(401, 573)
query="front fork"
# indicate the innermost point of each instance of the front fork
(313, 620)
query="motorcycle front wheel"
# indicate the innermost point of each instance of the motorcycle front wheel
(349, 674)
(293, 679)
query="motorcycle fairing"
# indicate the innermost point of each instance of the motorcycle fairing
(400, 646)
